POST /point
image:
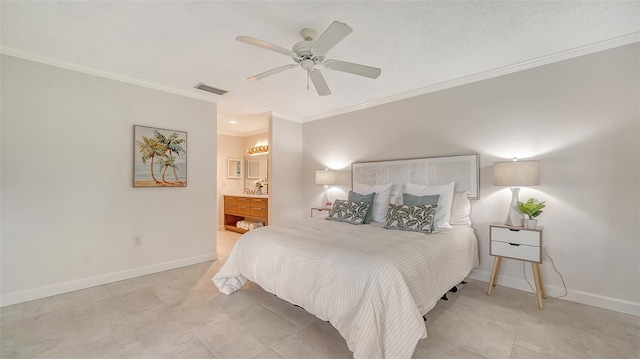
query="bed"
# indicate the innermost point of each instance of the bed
(373, 284)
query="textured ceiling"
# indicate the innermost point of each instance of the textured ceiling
(416, 44)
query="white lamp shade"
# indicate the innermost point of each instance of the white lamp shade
(516, 173)
(325, 177)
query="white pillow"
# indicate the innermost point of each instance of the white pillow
(380, 202)
(460, 209)
(443, 211)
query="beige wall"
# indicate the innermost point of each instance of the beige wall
(579, 117)
(285, 158)
(69, 211)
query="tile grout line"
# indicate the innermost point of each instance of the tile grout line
(275, 350)
(278, 314)
(203, 343)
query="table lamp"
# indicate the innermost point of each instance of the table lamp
(515, 174)
(326, 178)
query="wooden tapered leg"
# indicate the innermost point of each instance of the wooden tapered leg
(494, 274)
(544, 295)
(539, 290)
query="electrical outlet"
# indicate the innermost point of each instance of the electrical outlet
(137, 240)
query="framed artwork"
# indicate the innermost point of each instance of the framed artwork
(160, 157)
(464, 170)
(234, 168)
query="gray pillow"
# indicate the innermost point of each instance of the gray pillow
(410, 218)
(428, 200)
(349, 212)
(357, 197)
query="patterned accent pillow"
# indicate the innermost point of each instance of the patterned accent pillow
(357, 197)
(410, 218)
(349, 212)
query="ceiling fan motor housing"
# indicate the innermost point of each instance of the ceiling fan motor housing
(306, 57)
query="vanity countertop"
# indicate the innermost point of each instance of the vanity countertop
(248, 195)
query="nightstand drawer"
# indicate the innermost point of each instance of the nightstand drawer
(515, 251)
(530, 238)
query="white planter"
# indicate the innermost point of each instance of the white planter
(530, 223)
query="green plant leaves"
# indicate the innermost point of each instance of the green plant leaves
(532, 207)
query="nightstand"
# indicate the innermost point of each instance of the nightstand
(516, 243)
(320, 210)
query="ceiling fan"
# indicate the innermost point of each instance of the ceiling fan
(311, 52)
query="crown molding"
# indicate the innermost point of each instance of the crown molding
(252, 133)
(540, 61)
(286, 117)
(26, 55)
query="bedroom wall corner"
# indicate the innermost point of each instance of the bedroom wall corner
(285, 158)
(69, 211)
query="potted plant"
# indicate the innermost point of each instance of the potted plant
(532, 208)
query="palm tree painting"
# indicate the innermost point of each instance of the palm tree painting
(157, 151)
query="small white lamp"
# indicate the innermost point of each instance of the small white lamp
(326, 178)
(515, 174)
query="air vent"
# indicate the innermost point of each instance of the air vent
(208, 88)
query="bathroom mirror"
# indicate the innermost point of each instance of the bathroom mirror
(257, 167)
(253, 169)
(234, 168)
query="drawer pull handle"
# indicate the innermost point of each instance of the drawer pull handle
(514, 244)
(514, 230)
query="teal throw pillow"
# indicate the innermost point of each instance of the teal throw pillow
(428, 200)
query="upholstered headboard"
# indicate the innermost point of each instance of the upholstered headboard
(464, 170)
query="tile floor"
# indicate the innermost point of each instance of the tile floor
(180, 314)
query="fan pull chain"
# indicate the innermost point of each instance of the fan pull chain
(308, 76)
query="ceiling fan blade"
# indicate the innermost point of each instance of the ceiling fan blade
(265, 45)
(330, 37)
(260, 76)
(356, 69)
(319, 83)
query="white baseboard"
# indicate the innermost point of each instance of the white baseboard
(595, 300)
(60, 288)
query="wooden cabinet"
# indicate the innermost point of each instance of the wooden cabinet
(239, 208)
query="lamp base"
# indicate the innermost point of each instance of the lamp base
(325, 198)
(514, 218)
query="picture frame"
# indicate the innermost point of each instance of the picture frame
(234, 168)
(160, 157)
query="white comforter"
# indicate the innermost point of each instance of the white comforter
(373, 285)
